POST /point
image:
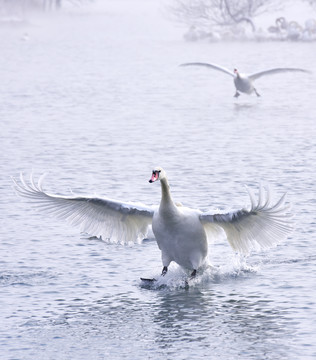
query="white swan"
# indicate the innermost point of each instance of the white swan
(243, 82)
(181, 233)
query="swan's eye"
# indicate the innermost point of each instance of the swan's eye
(156, 173)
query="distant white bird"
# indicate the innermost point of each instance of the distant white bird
(294, 31)
(181, 233)
(243, 82)
(309, 32)
(310, 25)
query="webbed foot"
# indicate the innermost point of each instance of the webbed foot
(193, 275)
(148, 280)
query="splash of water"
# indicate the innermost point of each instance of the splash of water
(177, 278)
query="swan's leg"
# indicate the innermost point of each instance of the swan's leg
(166, 260)
(164, 271)
(256, 92)
(237, 94)
(186, 282)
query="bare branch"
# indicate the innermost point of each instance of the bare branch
(214, 13)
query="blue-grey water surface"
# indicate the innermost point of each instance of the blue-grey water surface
(96, 100)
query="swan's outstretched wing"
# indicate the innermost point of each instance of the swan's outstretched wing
(212, 66)
(275, 71)
(261, 227)
(113, 220)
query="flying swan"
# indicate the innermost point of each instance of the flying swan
(244, 82)
(181, 233)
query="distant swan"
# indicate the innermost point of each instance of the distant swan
(181, 233)
(243, 82)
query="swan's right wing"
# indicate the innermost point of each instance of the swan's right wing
(110, 219)
(275, 71)
(261, 227)
(212, 66)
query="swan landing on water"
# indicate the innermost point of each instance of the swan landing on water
(243, 82)
(181, 233)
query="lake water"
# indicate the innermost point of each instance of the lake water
(96, 100)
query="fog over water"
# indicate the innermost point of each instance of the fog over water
(95, 97)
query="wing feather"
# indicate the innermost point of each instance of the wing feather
(275, 71)
(212, 66)
(261, 227)
(113, 220)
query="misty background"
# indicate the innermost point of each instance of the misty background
(93, 95)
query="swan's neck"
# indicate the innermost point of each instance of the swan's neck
(166, 200)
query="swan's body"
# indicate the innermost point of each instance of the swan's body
(174, 233)
(181, 233)
(244, 82)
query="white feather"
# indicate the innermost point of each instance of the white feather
(275, 71)
(114, 220)
(212, 66)
(261, 227)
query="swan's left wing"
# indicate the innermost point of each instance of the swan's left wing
(275, 71)
(113, 220)
(211, 66)
(261, 227)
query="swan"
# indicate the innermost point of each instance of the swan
(280, 26)
(181, 233)
(310, 26)
(243, 82)
(294, 31)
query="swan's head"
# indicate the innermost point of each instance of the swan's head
(236, 72)
(157, 174)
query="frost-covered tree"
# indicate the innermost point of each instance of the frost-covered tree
(206, 14)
